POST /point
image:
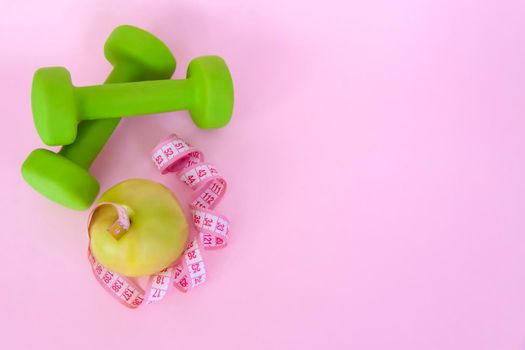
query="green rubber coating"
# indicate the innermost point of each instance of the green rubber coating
(58, 106)
(60, 179)
(63, 177)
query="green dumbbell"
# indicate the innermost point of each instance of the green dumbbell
(63, 177)
(58, 106)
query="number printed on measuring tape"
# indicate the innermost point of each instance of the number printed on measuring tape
(118, 286)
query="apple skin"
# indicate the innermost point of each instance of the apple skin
(157, 235)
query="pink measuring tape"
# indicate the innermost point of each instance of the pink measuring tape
(173, 155)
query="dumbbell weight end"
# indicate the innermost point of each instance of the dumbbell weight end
(60, 179)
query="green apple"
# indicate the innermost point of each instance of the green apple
(157, 234)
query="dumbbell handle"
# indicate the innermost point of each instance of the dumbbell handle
(137, 98)
(93, 134)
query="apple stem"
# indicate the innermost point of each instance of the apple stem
(122, 223)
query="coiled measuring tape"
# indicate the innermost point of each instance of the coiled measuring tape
(211, 229)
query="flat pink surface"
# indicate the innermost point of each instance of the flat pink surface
(375, 163)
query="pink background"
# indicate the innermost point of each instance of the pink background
(375, 162)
